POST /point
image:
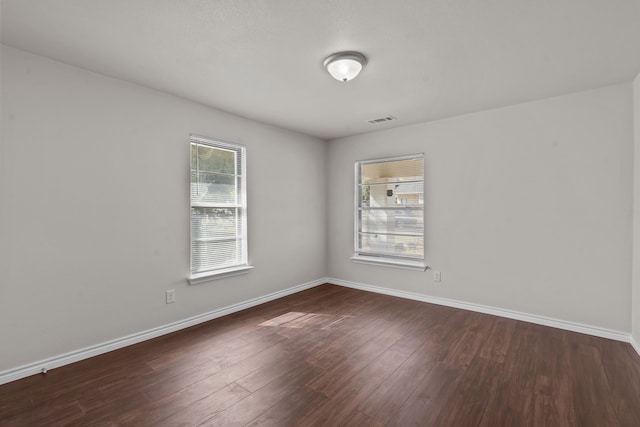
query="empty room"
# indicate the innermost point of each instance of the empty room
(320, 213)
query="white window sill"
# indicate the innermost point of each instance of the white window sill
(194, 279)
(390, 262)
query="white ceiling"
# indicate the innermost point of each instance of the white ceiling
(262, 59)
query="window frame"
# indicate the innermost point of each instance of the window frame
(241, 203)
(362, 257)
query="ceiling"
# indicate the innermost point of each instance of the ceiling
(262, 59)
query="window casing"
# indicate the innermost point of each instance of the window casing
(218, 209)
(389, 212)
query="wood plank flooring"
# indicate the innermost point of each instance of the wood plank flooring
(333, 356)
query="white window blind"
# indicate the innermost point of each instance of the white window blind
(389, 214)
(218, 207)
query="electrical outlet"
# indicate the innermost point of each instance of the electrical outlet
(171, 296)
(437, 277)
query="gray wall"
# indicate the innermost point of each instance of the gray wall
(635, 300)
(94, 206)
(527, 207)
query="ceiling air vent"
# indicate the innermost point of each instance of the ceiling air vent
(381, 119)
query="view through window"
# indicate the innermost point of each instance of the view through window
(389, 217)
(218, 207)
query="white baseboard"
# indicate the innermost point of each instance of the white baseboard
(85, 353)
(531, 318)
(635, 345)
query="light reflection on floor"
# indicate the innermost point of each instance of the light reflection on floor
(295, 319)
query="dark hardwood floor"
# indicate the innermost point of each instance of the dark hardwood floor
(337, 356)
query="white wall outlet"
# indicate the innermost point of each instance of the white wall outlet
(437, 277)
(171, 296)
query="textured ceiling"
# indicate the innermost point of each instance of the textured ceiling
(262, 59)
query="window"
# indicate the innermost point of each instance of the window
(389, 216)
(218, 209)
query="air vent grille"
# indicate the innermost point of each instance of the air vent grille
(381, 119)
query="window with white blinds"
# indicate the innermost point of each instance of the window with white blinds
(218, 209)
(389, 214)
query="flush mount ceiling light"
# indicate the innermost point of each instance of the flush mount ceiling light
(345, 66)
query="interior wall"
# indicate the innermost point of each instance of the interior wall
(528, 207)
(94, 208)
(635, 300)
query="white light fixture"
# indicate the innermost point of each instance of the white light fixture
(345, 66)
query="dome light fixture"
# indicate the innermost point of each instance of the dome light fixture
(345, 66)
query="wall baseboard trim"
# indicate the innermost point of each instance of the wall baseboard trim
(635, 345)
(95, 350)
(516, 315)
